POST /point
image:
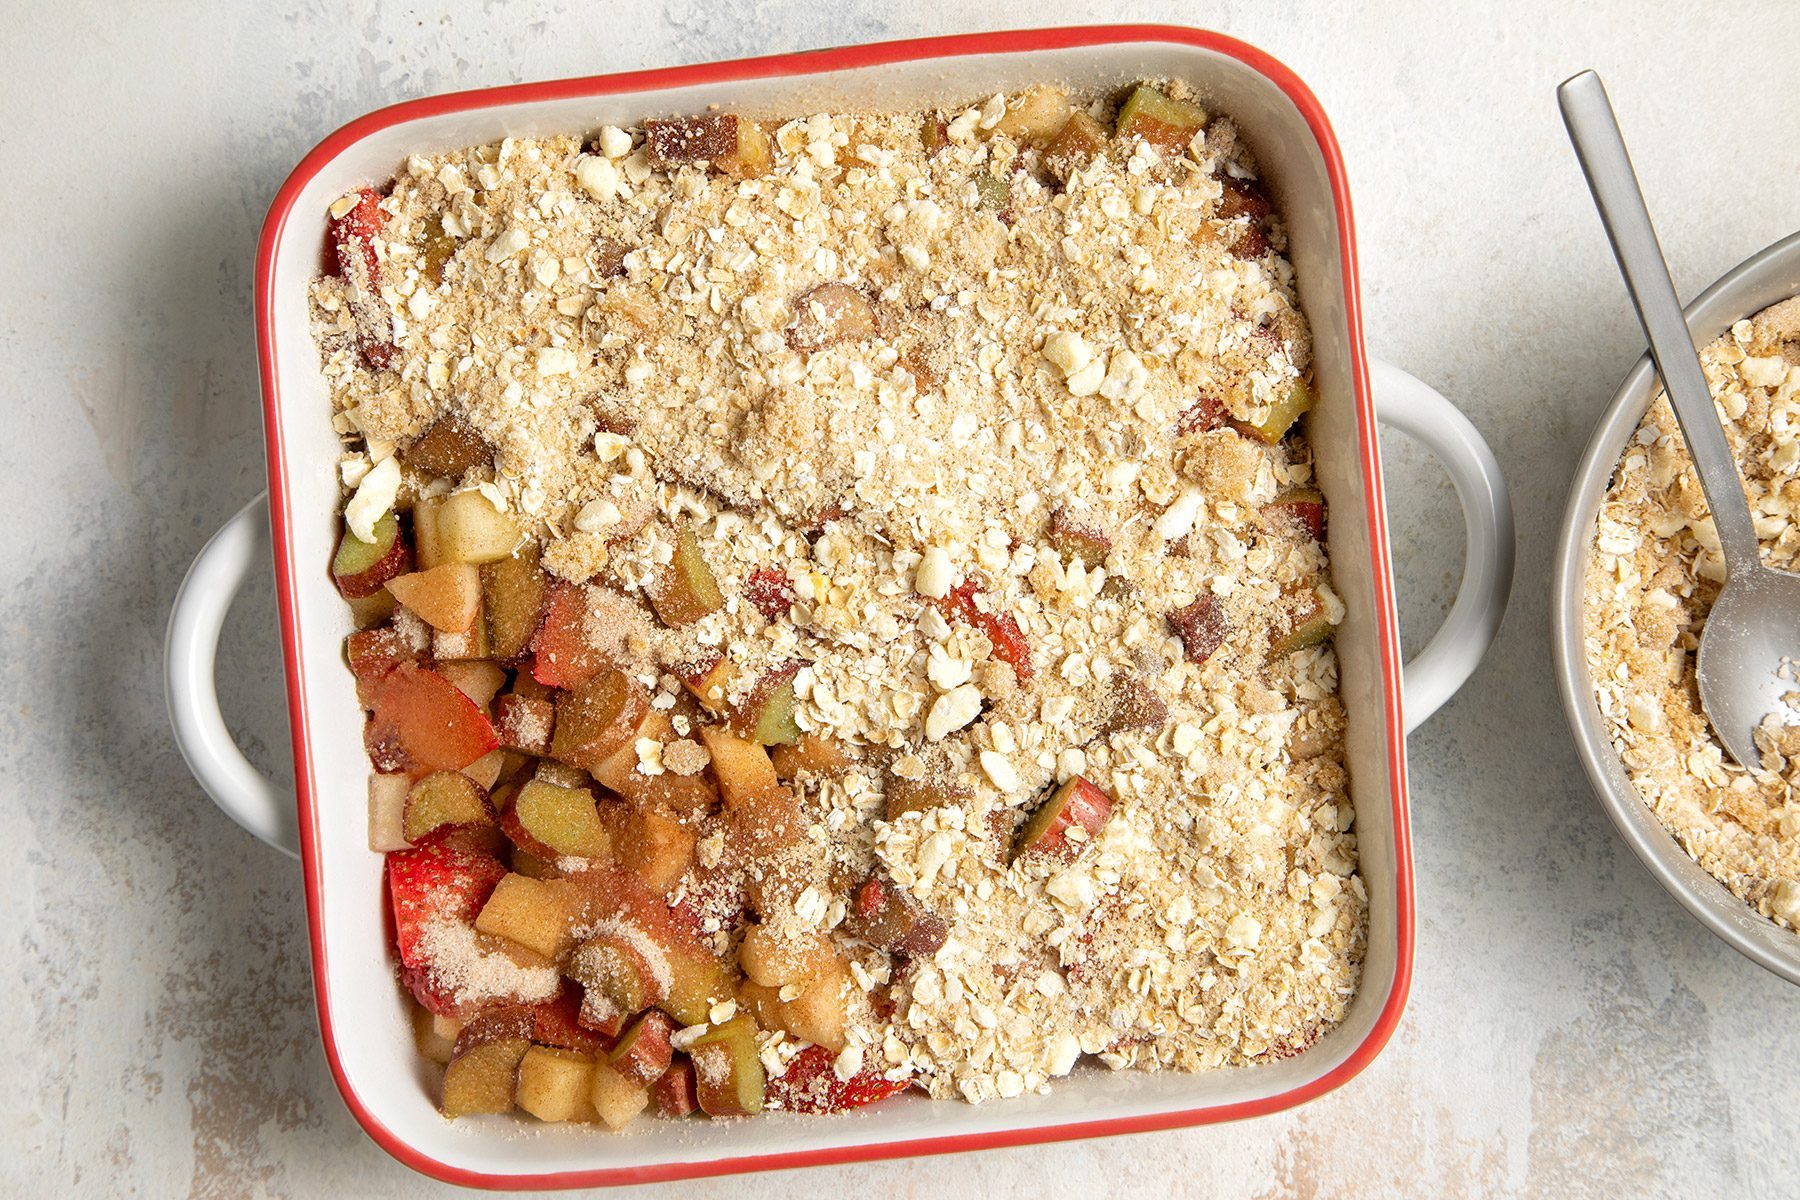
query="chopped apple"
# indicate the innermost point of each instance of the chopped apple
(1074, 538)
(387, 811)
(431, 1043)
(535, 914)
(370, 611)
(430, 719)
(463, 527)
(734, 145)
(684, 795)
(741, 766)
(512, 599)
(1064, 823)
(652, 845)
(524, 862)
(817, 1012)
(772, 958)
(1133, 704)
(557, 1085)
(685, 591)
(446, 597)
(1307, 623)
(1297, 401)
(674, 1093)
(478, 679)
(444, 798)
(728, 1073)
(1305, 507)
(449, 450)
(818, 755)
(484, 1064)
(598, 717)
(917, 795)
(829, 314)
(524, 723)
(555, 822)
(1202, 627)
(643, 1052)
(1167, 124)
(616, 1099)
(562, 655)
(1079, 141)
(889, 919)
(708, 683)
(362, 568)
(464, 645)
(1035, 116)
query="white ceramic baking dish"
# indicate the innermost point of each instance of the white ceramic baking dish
(363, 1025)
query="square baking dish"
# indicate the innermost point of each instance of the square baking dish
(365, 1031)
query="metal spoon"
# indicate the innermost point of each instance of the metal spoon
(1750, 648)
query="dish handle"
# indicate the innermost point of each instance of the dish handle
(219, 572)
(1447, 661)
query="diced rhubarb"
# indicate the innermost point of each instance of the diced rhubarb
(1297, 401)
(1074, 538)
(555, 822)
(524, 723)
(449, 450)
(1133, 704)
(438, 881)
(1077, 804)
(708, 682)
(1079, 141)
(643, 1053)
(1001, 628)
(484, 1066)
(767, 714)
(562, 655)
(811, 1085)
(1165, 123)
(770, 591)
(512, 601)
(617, 971)
(829, 314)
(362, 568)
(557, 1022)
(598, 717)
(728, 1073)
(1306, 623)
(1304, 506)
(444, 798)
(1204, 415)
(685, 591)
(734, 145)
(1202, 627)
(889, 919)
(431, 719)
(374, 652)
(674, 1093)
(618, 903)
(352, 237)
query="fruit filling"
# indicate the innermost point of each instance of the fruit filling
(841, 607)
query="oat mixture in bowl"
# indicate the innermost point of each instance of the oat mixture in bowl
(1652, 576)
(845, 607)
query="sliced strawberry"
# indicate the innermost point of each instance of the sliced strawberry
(563, 655)
(436, 881)
(353, 238)
(1001, 628)
(810, 1085)
(770, 590)
(431, 720)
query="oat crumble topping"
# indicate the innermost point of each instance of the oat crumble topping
(1653, 574)
(858, 371)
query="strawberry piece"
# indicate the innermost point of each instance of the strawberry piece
(1001, 628)
(353, 239)
(810, 1085)
(563, 655)
(431, 720)
(769, 589)
(432, 882)
(557, 1022)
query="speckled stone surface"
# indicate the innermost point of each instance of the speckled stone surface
(1572, 1032)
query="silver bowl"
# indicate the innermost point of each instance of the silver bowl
(1756, 283)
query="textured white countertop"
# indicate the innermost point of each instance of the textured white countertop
(1571, 1030)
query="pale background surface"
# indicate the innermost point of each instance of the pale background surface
(1571, 1031)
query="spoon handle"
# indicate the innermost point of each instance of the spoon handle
(1610, 177)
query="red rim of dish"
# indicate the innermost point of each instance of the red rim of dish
(778, 66)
